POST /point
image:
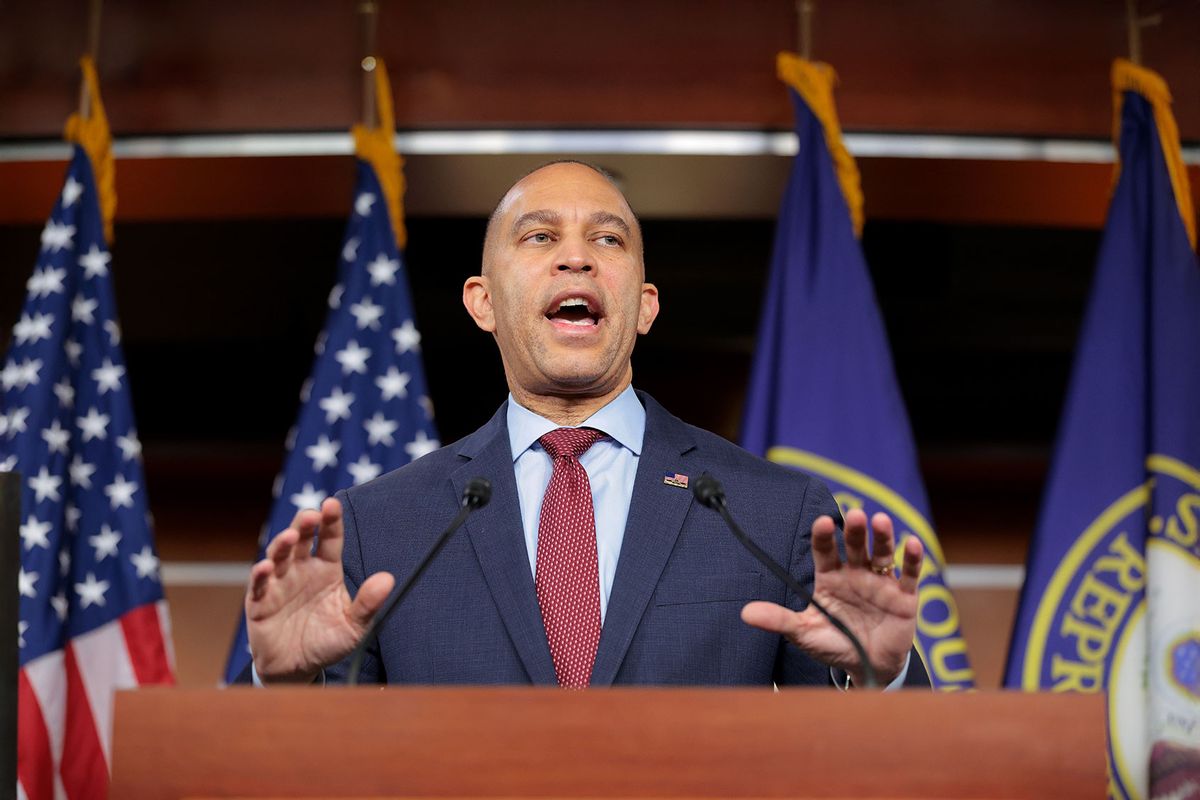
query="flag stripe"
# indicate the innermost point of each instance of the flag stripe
(35, 766)
(48, 682)
(145, 644)
(109, 668)
(164, 628)
(84, 773)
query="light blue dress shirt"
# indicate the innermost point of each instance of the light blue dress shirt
(611, 465)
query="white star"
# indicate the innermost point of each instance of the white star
(277, 486)
(64, 561)
(383, 270)
(426, 405)
(34, 533)
(59, 601)
(10, 375)
(105, 543)
(46, 281)
(71, 191)
(289, 441)
(16, 420)
(57, 437)
(307, 497)
(94, 262)
(91, 591)
(82, 309)
(335, 296)
(146, 563)
(393, 384)
(33, 329)
(366, 315)
(108, 376)
(306, 388)
(113, 330)
(350, 250)
(353, 358)
(120, 492)
(27, 373)
(131, 446)
(336, 406)
(81, 472)
(56, 236)
(22, 626)
(363, 203)
(9, 464)
(380, 430)
(407, 338)
(74, 350)
(323, 453)
(45, 485)
(363, 470)
(422, 445)
(25, 582)
(94, 425)
(65, 392)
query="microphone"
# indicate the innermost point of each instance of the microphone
(709, 492)
(475, 496)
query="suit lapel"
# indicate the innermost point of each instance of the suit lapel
(496, 535)
(656, 515)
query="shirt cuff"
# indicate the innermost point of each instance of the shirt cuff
(320, 679)
(842, 679)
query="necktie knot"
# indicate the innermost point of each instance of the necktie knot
(570, 442)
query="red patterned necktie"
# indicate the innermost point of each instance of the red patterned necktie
(567, 576)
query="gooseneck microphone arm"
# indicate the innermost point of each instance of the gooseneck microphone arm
(709, 492)
(476, 495)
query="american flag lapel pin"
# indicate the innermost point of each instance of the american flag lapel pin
(677, 479)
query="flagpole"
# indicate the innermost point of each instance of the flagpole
(93, 48)
(369, 12)
(1134, 25)
(805, 10)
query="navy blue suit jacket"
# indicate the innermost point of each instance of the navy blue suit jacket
(680, 584)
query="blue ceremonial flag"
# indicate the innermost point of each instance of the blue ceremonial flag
(1112, 590)
(823, 395)
(366, 409)
(93, 618)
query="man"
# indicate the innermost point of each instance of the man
(588, 567)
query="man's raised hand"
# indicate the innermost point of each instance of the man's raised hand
(299, 616)
(861, 591)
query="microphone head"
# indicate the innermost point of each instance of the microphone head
(708, 491)
(477, 493)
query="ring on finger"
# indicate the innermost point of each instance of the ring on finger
(886, 571)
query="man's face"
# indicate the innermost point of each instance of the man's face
(563, 286)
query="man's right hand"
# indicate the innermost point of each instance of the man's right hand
(299, 616)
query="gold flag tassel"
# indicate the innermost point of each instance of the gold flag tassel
(814, 82)
(377, 146)
(1129, 77)
(93, 135)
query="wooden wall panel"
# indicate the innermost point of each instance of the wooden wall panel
(1022, 66)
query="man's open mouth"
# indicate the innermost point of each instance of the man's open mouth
(575, 310)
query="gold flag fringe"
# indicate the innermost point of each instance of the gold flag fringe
(377, 146)
(94, 136)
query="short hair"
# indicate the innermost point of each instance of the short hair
(601, 171)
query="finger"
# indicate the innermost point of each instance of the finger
(771, 617)
(370, 597)
(910, 571)
(856, 538)
(329, 543)
(306, 524)
(883, 542)
(260, 579)
(824, 546)
(280, 551)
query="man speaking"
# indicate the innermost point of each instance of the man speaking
(593, 564)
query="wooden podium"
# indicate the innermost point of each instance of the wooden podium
(527, 742)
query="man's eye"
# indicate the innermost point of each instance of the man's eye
(608, 240)
(538, 238)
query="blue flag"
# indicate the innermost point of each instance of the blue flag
(366, 409)
(92, 613)
(823, 395)
(1112, 592)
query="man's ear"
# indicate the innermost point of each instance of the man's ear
(477, 297)
(649, 307)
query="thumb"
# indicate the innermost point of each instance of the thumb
(370, 597)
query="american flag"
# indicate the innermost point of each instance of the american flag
(365, 407)
(92, 614)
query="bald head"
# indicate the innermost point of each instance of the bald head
(564, 170)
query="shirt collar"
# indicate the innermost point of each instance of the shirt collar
(623, 419)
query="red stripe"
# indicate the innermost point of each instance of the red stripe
(84, 771)
(35, 765)
(146, 645)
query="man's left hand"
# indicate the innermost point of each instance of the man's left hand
(862, 591)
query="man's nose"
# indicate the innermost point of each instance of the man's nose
(574, 256)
